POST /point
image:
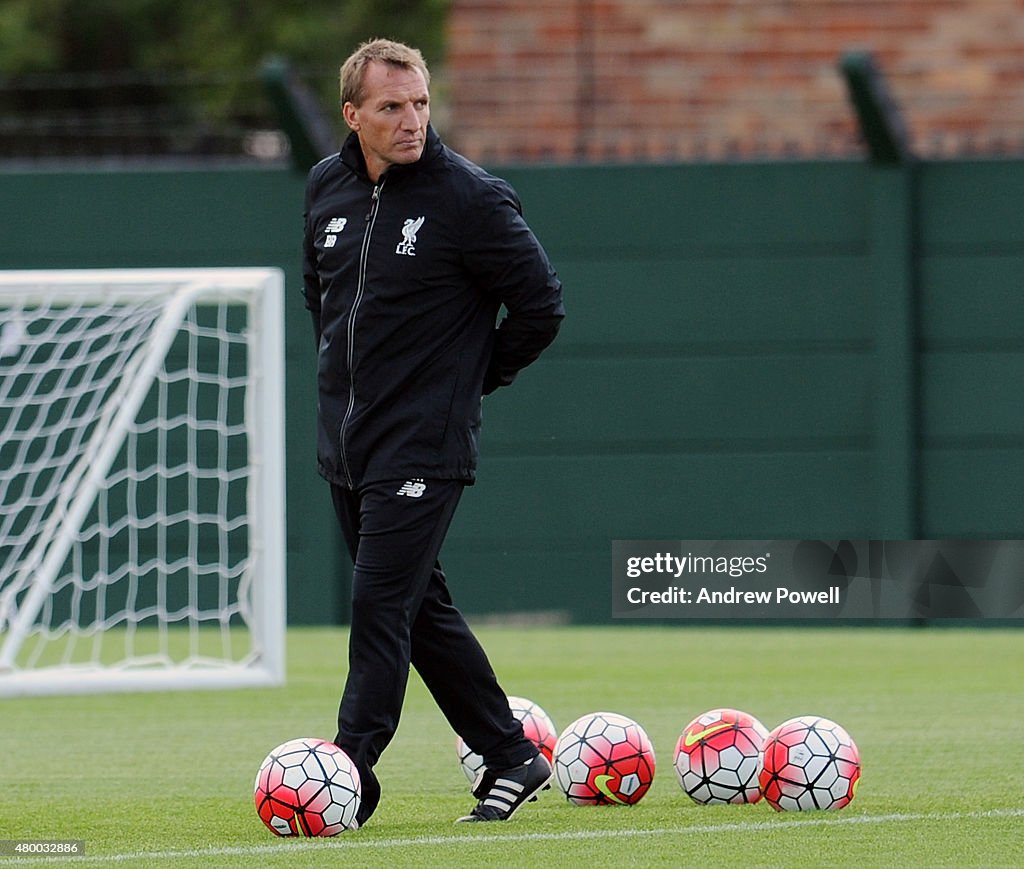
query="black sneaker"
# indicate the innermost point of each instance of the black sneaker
(502, 793)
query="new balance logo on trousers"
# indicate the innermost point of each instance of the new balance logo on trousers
(412, 488)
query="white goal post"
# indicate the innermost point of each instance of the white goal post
(142, 526)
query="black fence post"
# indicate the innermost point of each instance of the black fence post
(893, 239)
(299, 114)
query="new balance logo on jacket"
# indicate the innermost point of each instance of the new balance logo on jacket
(412, 488)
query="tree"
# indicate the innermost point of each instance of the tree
(38, 36)
(202, 54)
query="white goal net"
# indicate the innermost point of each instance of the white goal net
(141, 479)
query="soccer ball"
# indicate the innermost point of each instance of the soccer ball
(537, 727)
(307, 787)
(718, 757)
(604, 759)
(809, 763)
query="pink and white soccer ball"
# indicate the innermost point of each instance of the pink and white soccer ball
(604, 759)
(810, 762)
(307, 787)
(718, 757)
(537, 727)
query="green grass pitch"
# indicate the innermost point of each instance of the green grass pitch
(165, 780)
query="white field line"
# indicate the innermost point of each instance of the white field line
(352, 842)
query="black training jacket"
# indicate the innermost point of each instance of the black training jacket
(405, 280)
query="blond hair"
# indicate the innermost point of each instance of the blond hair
(387, 51)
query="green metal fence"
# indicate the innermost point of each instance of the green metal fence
(778, 350)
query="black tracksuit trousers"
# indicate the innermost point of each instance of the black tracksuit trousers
(402, 614)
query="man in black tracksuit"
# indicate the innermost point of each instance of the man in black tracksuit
(410, 253)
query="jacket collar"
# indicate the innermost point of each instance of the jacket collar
(351, 155)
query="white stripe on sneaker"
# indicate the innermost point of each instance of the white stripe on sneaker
(505, 795)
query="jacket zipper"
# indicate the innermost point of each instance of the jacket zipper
(371, 219)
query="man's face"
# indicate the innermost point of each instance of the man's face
(391, 122)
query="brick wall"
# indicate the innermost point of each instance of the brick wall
(656, 79)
